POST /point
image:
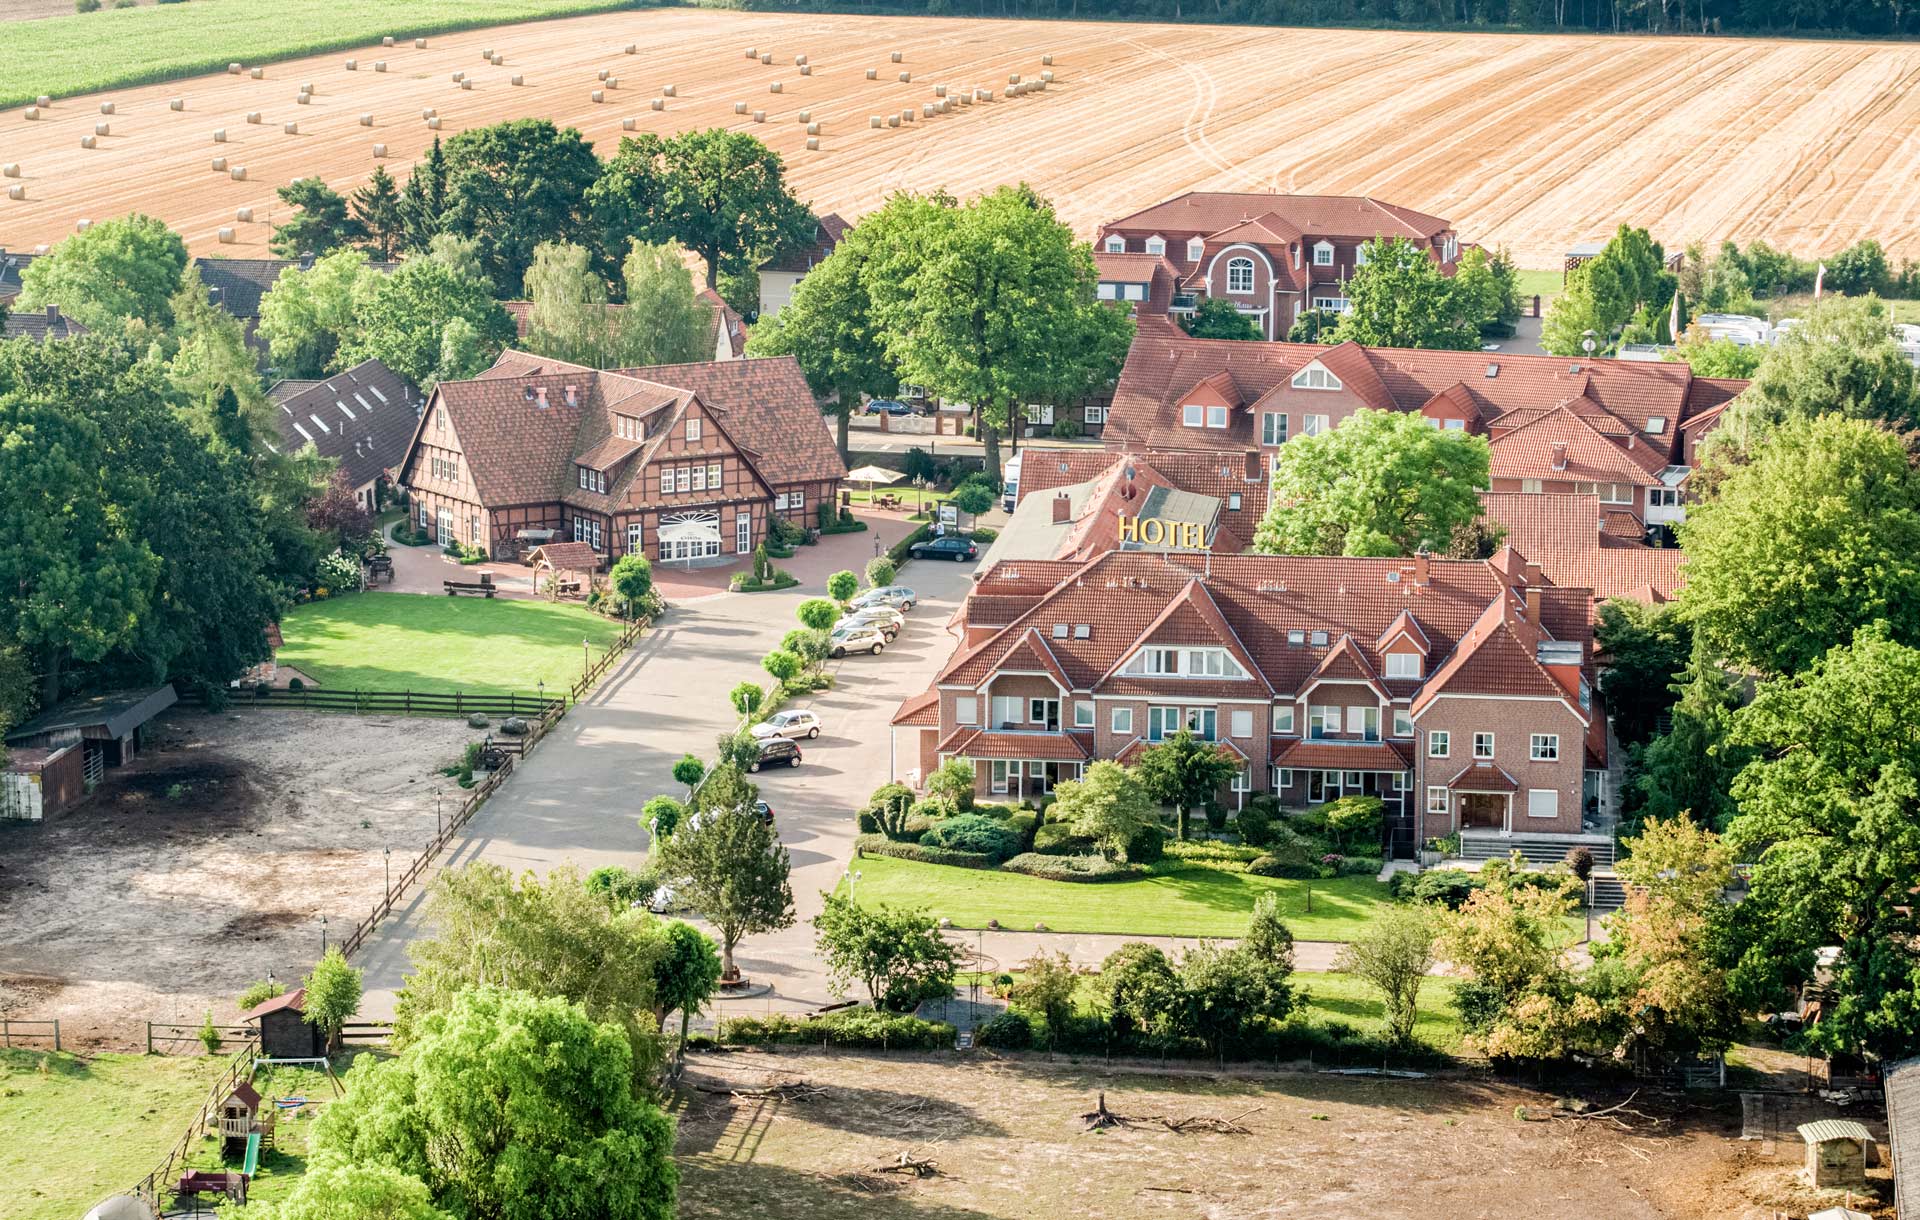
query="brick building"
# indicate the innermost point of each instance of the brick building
(780, 275)
(683, 463)
(1458, 692)
(362, 417)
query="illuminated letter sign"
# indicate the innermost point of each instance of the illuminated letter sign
(1179, 535)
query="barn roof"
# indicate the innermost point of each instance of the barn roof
(109, 714)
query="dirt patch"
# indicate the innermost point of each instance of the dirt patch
(1007, 1140)
(211, 861)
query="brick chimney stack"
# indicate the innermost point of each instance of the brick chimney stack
(1531, 574)
(1533, 604)
(1422, 568)
(1559, 455)
(53, 314)
(1253, 465)
(1062, 508)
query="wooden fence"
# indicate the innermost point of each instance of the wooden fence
(369, 702)
(163, 1036)
(599, 668)
(159, 1184)
(27, 1033)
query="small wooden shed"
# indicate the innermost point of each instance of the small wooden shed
(568, 567)
(42, 781)
(284, 1032)
(110, 726)
(1838, 1153)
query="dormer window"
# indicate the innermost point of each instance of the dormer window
(1184, 663)
(1116, 245)
(1216, 417)
(1193, 415)
(1156, 245)
(1195, 249)
(592, 480)
(1656, 424)
(1296, 256)
(1323, 254)
(1240, 275)
(1403, 665)
(1315, 377)
(627, 428)
(1360, 255)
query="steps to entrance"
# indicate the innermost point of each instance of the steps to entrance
(1535, 849)
(1608, 893)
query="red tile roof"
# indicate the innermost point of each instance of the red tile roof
(1562, 444)
(1342, 755)
(1579, 542)
(567, 556)
(803, 256)
(768, 410)
(1284, 215)
(919, 711)
(286, 999)
(1483, 777)
(1041, 747)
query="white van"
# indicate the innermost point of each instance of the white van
(1011, 472)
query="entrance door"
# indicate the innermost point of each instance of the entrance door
(1483, 811)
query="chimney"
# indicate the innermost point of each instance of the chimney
(540, 398)
(1254, 461)
(1559, 455)
(1530, 575)
(573, 396)
(1062, 508)
(1533, 604)
(1422, 567)
(53, 314)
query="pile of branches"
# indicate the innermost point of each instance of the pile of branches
(785, 1090)
(1100, 1119)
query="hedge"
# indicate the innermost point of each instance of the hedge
(971, 833)
(1071, 868)
(881, 845)
(898, 552)
(856, 1027)
(1058, 839)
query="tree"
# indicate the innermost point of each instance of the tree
(1646, 648)
(460, 255)
(841, 586)
(1511, 938)
(950, 785)
(514, 185)
(1185, 772)
(321, 223)
(664, 321)
(338, 513)
(1227, 992)
(305, 313)
(991, 304)
(689, 771)
(725, 198)
(1381, 483)
(973, 498)
(1046, 986)
(1829, 814)
(1709, 357)
(398, 318)
(1393, 953)
(1139, 989)
(1673, 993)
(1859, 269)
(818, 613)
(552, 938)
(880, 572)
(118, 270)
(1486, 289)
(493, 1095)
(1815, 537)
(624, 202)
(1314, 326)
(685, 976)
(781, 664)
(1107, 804)
(464, 355)
(746, 699)
(829, 328)
(731, 868)
(1690, 768)
(377, 210)
(1573, 318)
(567, 316)
(1268, 938)
(1219, 318)
(632, 580)
(333, 996)
(424, 201)
(210, 365)
(898, 955)
(661, 814)
(1628, 275)
(332, 1190)
(1400, 298)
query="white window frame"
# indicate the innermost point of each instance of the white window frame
(1240, 276)
(1164, 721)
(1216, 417)
(1439, 743)
(1193, 415)
(1003, 771)
(1544, 747)
(1083, 714)
(1156, 245)
(1096, 413)
(1323, 719)
(1362, 721)
(666, 480)
(1663, 497)
(966, 709)
(1438, 799)
(1242, 779)
(1315, 377)
(1283, 718)
(713, 476)
(636, 538)
(1120, 721)
(797, 501)
(1656, 425)
(1403, 665)
(699, 478)
(1483, 753)
(1402, 722)
(1038, 709)
(1203, 722)
(1323, 254)
(682, 478)
(1530, 487)
(1196, 249)
(1116, 245)
(1240, 723)
(1273, 428)
(1314, 425)
(1533, 803)
(743, 532)
(1282, 778)
(693, 430)
(998, 703)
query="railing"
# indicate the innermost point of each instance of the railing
(16, 1033)
(408, 703)
(163, 1036)
(596, 670)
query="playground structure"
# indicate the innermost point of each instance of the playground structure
(244, 1122)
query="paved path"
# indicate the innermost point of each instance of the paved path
(578, 795)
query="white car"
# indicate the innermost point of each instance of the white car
(856, 637)
(794, 724)
(890, 621)
(899, 597)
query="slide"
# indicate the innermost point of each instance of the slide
(252, 1162)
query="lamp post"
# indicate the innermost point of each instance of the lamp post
(853, 878)
(438, 795)
(586, 655)
(323, 936)
(387, 861)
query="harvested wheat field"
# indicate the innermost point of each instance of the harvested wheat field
(1533, 142)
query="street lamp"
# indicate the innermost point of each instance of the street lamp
(323, 936)
(438, 795)
(586, 655)
(387, 860)
(853, 877)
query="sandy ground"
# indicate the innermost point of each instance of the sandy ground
(1534, 141)
(1009, 1142)
(209, 862)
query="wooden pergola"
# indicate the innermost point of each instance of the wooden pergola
(570, 567)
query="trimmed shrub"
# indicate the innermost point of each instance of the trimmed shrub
(1211, 851)
(855, 1027)
(1274, 866)
(1579, 858)
(1058, 839)
(1447, 886)
(1071, 868)
(881, 845)
(1361, 866)
(1024, 824)
(998, 813)
(1146, 847)
(1010, 1031)
(970, 832)
(1255, 825)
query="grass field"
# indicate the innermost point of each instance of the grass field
(1195, 902)
(419, 642)
(1543, 284)
(84, 52)
(74, 1130)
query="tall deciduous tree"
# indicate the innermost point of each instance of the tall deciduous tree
(897, 955)
(726, 199)
(1646, 648)
(332, 996)
(321, 222)
(118, 270)
(1673, 995)
(1219, 318)
(399, 318)
(568, 318)
(1393, 952)
(305, 313)
(377, 210)
(1381, 483)
(1816, 536)
(664, 321)
(1185, 772)
(514, 185)
(1400, 298)
(1689, 769)
(336, 1191)
(732, 869)
(1604, 294)
(1108, 804)
(511, 1106)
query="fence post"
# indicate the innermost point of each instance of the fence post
(149, 1037)
(56, 1043)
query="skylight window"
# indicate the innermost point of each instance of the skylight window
(345, 410)
(320, 423)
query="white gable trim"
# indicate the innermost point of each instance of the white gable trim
(1256, 251)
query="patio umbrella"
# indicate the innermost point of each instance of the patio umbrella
(871, 475)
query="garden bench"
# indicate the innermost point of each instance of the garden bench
(484, 587)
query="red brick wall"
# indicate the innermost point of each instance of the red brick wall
(1512, 722)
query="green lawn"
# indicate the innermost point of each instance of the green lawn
(83, 52)
(74, 1130)
(1544, 284)
(1193, 902)
(420, 642)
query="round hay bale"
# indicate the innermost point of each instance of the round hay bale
(253, 116)
(103, 129)
(460, 76)
(10, 170)
(82, 225)
(774, 87)
(893, 120)
(353, 65)
(305, 99)
(753, 53)
(739, 107)
(813, 129)
(629, 124)
(658, 103)
(799, 61)
(379, 150)
(419, 44)
(387, 41)
(243, 215)
(219, 135)
(258, 74)
(499, 61)
(16, 192)
(805, 116)
(906, 116)
(433, 124)
(926, 110)
(873, 121)
(43, 101)
(895, 57)
(966, 99)
(177, 103)
(32, 113)
(428, 113)
(1047, 60)
(517, 80)
(670, 90)
(633, 48)
(1014, 79)
(226, 237)
(1046, 78)
(1038, 86)
(759, 116)
(604, 74)
(906, 78)
(487, 54)
(806, 69)
(366, 120)
(379, 65)
(233, 69)
(939, 91)
(106, 107)
(292, 129)
(613, 82)
(813, 144)
(467, 84)
(238, 173)
(767, 58)
(306, 86)
(599, 95)
(873, 74)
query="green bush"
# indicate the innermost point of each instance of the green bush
(1071, 868)
(623, 886)
(856, 1027)
(866, 822)
(1147, 846)
(970, 832)
(898, 552)
(1447, 886)
(998, 813)
(881, 845)
(1255, 825)
(1274, 866)
(1212, 851)
(1361, 866)
(983, 535)
(93, 6)
(1024, 824)
(1009, 1031)
(1058, 839)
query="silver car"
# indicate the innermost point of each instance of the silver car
(890, 621)
(897, 596)
(795, 724)
(856, 637)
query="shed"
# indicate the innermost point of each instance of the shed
(42, 782)
(108, 725)
(1902, 1083)
(570, 565)
(239, 1112)
(1838, 1152)
(284, 1032)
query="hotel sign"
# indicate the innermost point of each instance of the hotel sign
(1180, 535)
